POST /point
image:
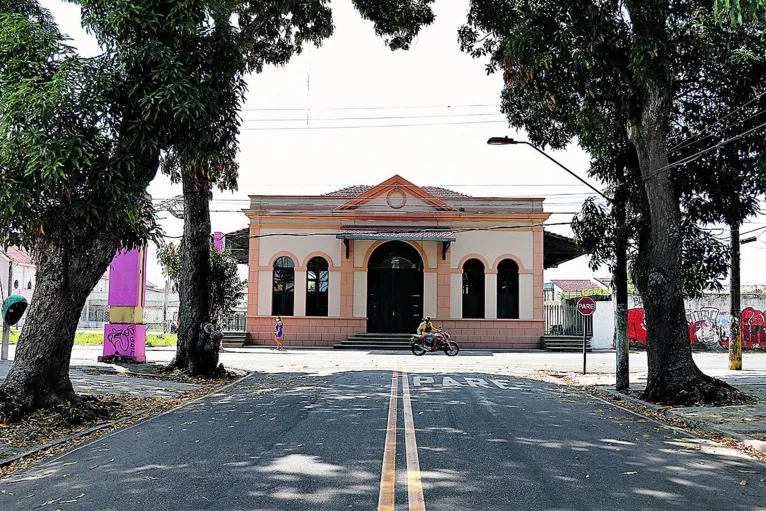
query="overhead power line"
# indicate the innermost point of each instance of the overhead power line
(702, 152)
(563, 196)
(376, 118)
(360, 126)
(403, 107)
(691, 139)
(466, 229)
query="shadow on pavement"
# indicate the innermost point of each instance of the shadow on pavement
(305, 442)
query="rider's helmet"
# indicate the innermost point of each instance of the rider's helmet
(428, 318)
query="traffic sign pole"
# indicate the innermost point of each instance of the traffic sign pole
(585, 306)
(584, 341)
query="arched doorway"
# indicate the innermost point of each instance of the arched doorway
(394, 289)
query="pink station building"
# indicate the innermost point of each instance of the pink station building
(374, 260)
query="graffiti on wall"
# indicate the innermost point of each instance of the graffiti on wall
(707, 326)
(123, 340)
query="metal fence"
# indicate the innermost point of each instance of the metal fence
(234, 322)
(565, 320)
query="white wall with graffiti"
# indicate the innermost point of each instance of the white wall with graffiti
(708, 319)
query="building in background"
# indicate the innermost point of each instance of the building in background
(23, 273)
(377, 259)
(564, 289)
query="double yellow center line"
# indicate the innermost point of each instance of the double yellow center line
(388, 474)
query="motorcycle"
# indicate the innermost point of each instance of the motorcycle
(420, 345)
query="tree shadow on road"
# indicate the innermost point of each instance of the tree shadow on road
(315, 442)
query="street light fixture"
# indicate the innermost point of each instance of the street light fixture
(510, 141)
(620, 272)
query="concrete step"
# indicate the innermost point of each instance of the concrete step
(565, 343)
(387, 336)
(382, 343)
(372, 346)
(378, 339)
(235, 339)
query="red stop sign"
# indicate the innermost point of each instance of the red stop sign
(586, 306)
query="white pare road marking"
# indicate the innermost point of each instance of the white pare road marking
(461, 381)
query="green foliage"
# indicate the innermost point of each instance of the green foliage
(580, 70)
(63, 177)
(226, 288)
(740, 10)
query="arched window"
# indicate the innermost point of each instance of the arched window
(473, 289)
(29, 285)
(317, 286)
(15, 284)
(507, 290)
(283, 294)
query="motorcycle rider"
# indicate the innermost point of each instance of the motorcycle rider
(427, 330)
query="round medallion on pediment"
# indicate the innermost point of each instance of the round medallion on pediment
(396, 198)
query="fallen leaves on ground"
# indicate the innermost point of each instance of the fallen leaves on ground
(165, 373)
(45, 426)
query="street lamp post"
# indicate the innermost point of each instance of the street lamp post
(620, 271)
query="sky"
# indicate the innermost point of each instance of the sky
(324, 121)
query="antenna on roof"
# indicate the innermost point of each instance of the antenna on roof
(308, 93)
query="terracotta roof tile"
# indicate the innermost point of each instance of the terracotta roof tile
(356, 190)
(606, 281)
(575, 286)
(20, 256)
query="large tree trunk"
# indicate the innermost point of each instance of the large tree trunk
(39, 377)
(198, 340)
(673, 376)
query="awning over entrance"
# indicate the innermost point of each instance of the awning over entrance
(558, 249)
(238, 242)
(396, 234)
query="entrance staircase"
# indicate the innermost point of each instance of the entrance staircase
(234, 339)
(565, 343)
(375, 342)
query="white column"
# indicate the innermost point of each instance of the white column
(429, 294)
(526, 296)
(360, 294)
(265, 287)
(299, 308)
(333, 301)
(490, 295)
(456, 295)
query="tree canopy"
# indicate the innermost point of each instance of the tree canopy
(625, 81)
(565, 92)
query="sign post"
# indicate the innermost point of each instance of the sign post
(586, 306)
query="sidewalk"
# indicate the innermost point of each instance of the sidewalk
(96, 378)
(743, 423)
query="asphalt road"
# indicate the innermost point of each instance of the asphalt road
(453, 442)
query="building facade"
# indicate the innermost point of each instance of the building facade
(377, 259)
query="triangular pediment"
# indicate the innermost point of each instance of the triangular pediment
(396, 193)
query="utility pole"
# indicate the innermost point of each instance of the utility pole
(165, 308)
(6, 327)
(735, 331)
(620, 283)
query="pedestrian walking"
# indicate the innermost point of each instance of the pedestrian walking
(278, 332)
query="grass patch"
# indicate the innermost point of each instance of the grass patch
(95, 338)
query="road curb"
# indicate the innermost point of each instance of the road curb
(7, 461)
(748, 441)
